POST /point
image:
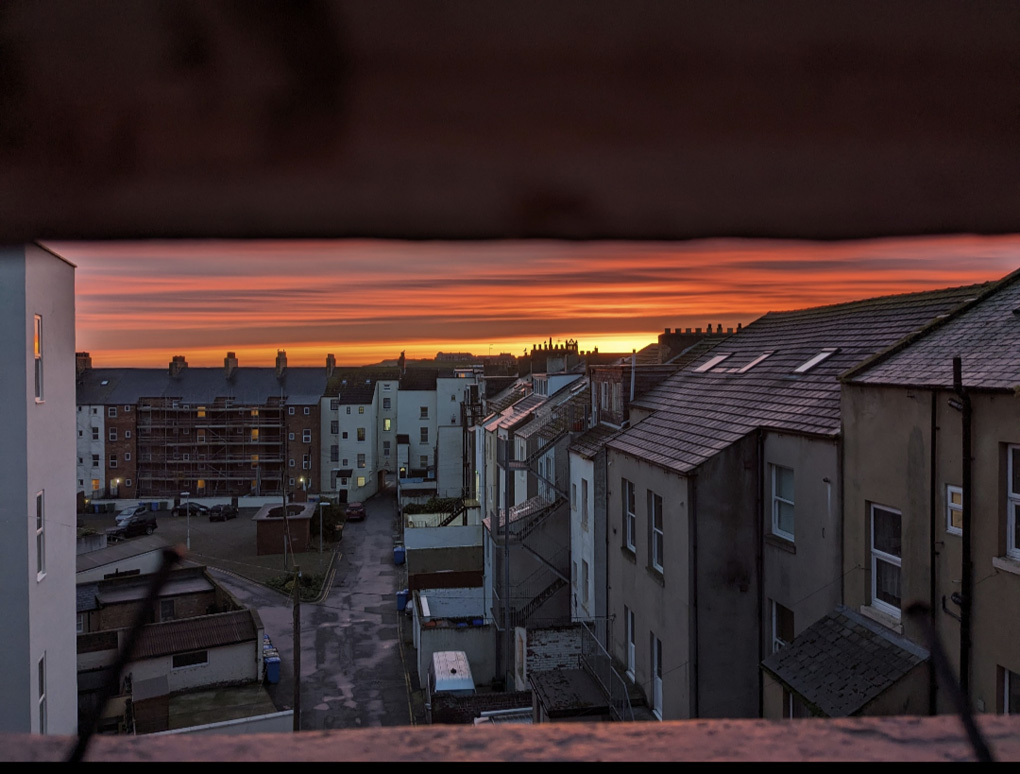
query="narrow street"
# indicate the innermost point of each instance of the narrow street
(355, 646)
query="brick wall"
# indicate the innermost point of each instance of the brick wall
(554, 648)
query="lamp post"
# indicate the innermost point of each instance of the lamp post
(187, 513)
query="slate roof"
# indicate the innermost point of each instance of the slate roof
(86, 597)
(199, 386)
(350, 384)
(122, 549)
(419, 379)
(206, 631)
(590, 443)
(696, 415)
(984, 334)
(843, 661)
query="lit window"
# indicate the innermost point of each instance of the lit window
(387, 424)
(361, 434)
(782, 501)
(361, 461)
(886, 559)
(954, 510)
(254, 434)
(361, 480)
(361, 409)
(38, 350)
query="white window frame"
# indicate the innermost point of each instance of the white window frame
(43, 719)
(953, 508)
(111, 412)
(629, 619)
(80, 624)
(656, 672)
(657, 546)
(629, 515)
(308, 410)
(778, 643)
(778, 502)
(306, 436)
(362, 461)
(1013, 504)
(889, 559)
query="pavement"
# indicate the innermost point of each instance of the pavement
(356, 651)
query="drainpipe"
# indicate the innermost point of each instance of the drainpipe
(633, 369)
(692, 510)
(933, 554)
(968, 570)
(759, 561)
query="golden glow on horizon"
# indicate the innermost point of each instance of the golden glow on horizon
(138, 304)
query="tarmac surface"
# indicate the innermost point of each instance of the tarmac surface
(356, 650)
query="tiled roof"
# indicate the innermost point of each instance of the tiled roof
(590, 443)
(843, 661)
(206, 631)
(510, 395)
(985, 335)
(697, 414)
(248, 386)
(86, 597)
(518, 412)
(419, 379)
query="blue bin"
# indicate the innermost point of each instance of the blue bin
(273, 669)
(402, 599)
(398, 554)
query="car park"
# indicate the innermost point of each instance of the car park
(355, 511)
(137, 524)
(222, 512)
(195, 509)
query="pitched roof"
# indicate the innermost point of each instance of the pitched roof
(419, 379)
(206, 631)
(711, 403)
(591, 443)
(984, 334)
(122, 549)
(198, 386)
(843, 661)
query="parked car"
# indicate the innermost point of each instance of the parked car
(222, 512)
(132, 510)
(196, 509)
(138, 524)
(355, 511)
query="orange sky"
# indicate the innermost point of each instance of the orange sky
(140, 303)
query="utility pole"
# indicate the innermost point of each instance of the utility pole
(297, 648)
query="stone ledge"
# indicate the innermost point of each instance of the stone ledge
(939, 738)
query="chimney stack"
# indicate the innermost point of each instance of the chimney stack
(330, 365)
(230, 365)
(82, 363)
(281, 363)
(177, 365)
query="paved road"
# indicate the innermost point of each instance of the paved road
(355, 646)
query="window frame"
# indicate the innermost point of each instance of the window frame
(630, 621)
(306, 436)
(584, 504)
(778, 642)
(952, 508)
(656, 532)
(1013, 502)
(629, 503)
(779, 501)
(877, 555)
(40, 534)
(204, 654)
(37, 356)
(423, 434)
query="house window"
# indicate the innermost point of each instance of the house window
(40, 535)
(306, 462)
(424, 460)
(127, 456)
(656, 675)
(628, 617)
(1013, 514)
(424, 412)
(886, 557)
(655, 524)
(334, 426)
(1010, 692)
(361, 434)
(573, 497)
(361, 480)
(95, 462)
(782, 501)
(361, 409)
(334, 404)
(113, 433)
(195, 658)
(344, 435)
(361, 460)
(166, 610)
(127, 482)
(584, 503)
(386, 403)
(308, 410)
(80, 625)
(95, 486)
(95, 433)
(387, 424)
(254, 460)
(38, 351)
(290, 462)
(290, 410)
(42, 694)
(291, 482)
(954, 510)
(112, 412)
(290, 436)
(348, 409)
(306, 436)
(113, 460)
(334, 453)
(386, 448)
(254, 434)
(782, 626)
(584, 583)
(629, 515)
(127, 433)
(424, 435)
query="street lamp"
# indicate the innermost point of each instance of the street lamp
(187, 511)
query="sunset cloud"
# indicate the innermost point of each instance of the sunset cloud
(139, 303)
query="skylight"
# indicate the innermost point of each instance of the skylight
(755, 362)
(805, 367)
(710, 364)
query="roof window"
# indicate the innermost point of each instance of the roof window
(753, 363)
(710, 364)
(803, 368)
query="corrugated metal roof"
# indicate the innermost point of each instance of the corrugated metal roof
(843, 661)
(697, 414)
